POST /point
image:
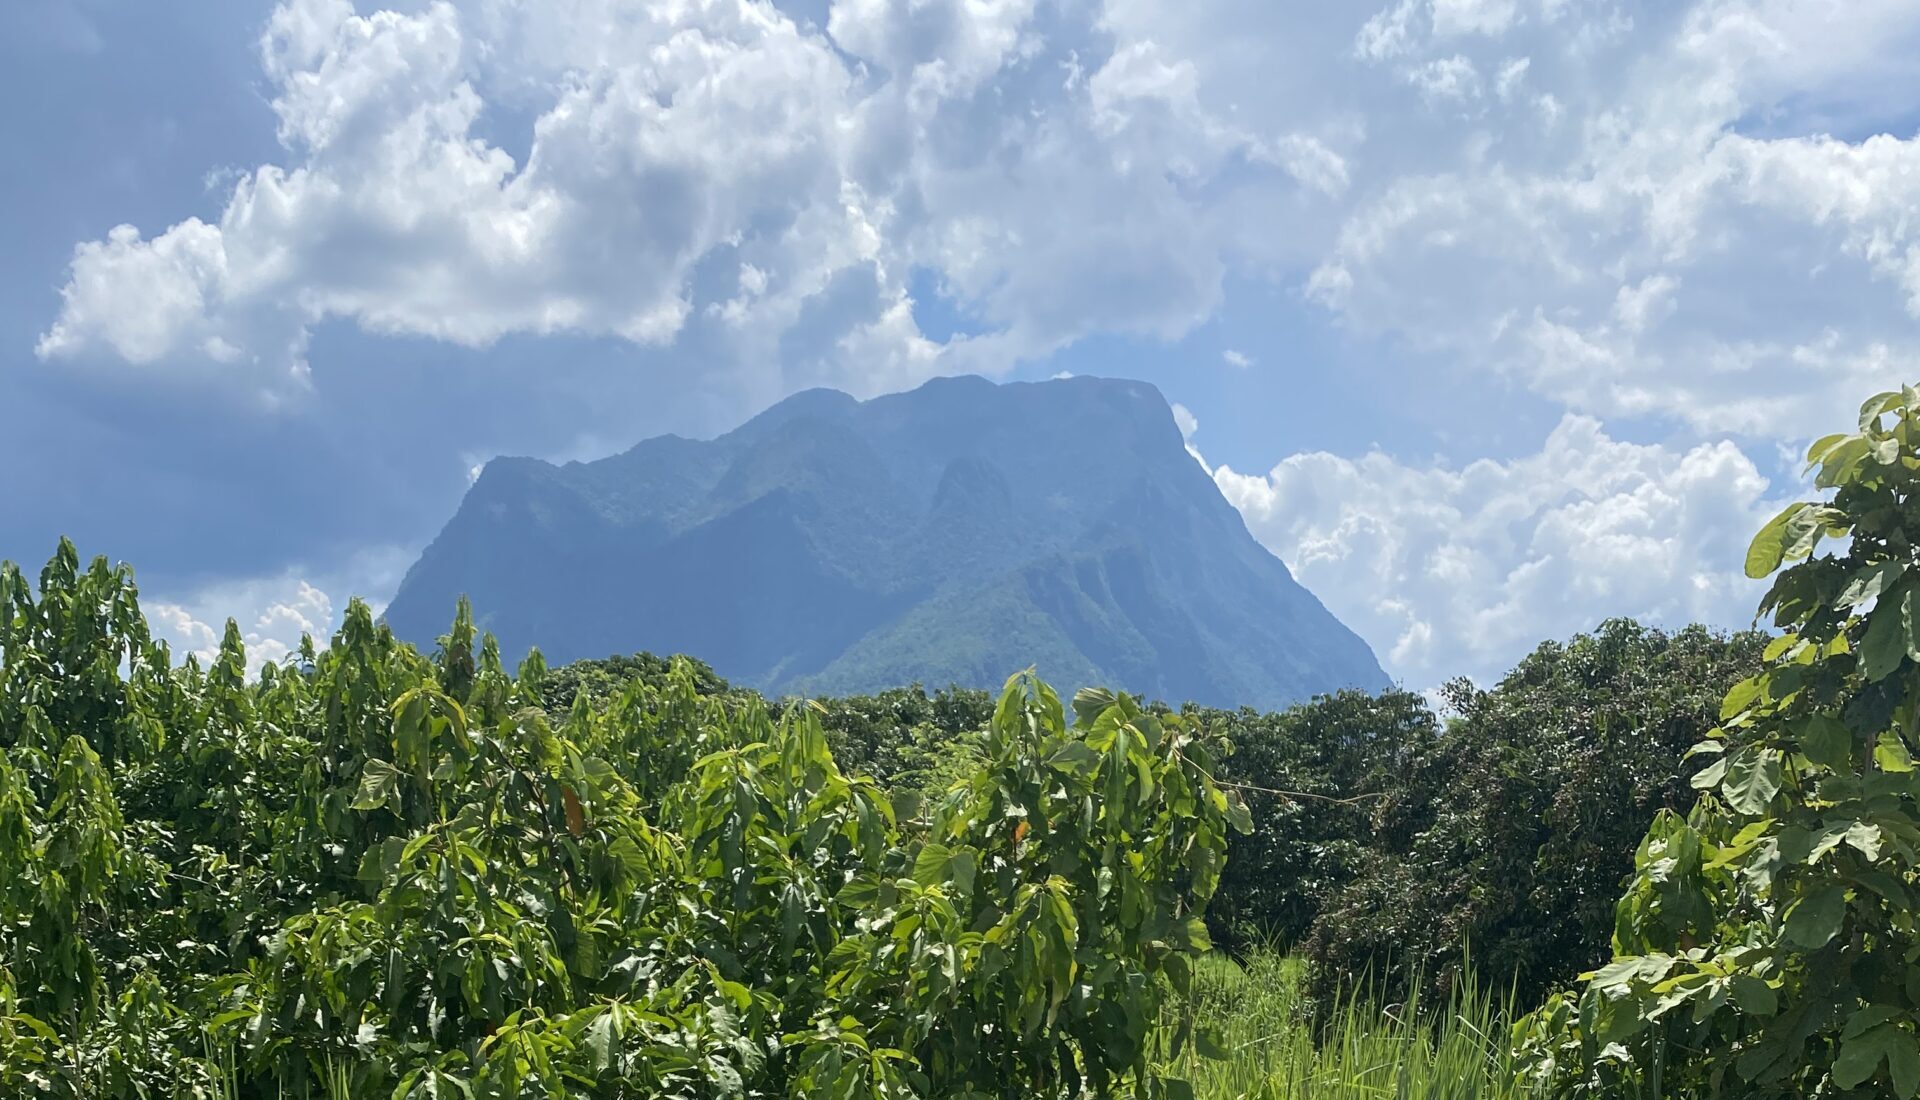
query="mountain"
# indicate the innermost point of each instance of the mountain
(953, 534)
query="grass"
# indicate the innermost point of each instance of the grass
(1366, 1052)
(1456, 1051)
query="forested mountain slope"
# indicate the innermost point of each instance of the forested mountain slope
(952, 534)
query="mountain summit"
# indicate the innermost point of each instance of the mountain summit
(953, 534)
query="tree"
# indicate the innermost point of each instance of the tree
(1766, 944)
(1339, 757)
(1507, 834)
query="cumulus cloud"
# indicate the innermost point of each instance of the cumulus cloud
(1699, 219)
(708, 163)
(1458, 570)
(1645, 221)
(1602, 200)
(273, 616)
(273, 612)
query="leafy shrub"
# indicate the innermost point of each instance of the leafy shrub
(387, 874)
(1766, 943)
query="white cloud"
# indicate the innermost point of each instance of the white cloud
(670, 140)
(1183, 419)
(1512, 74)
(1689, 217)
(273, 617)
(1459, 570)
(1446, 78)
(1236, 359)
(1638, 224)
(1491, 17)
(179, 271)
(1064, 171)
(273, 612)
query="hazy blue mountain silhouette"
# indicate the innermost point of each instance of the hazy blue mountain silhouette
(953, 534)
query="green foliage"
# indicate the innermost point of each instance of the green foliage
(1510, 831)
(1276, 1049)
(1766, 944)
(916, 745)
(1338, 756)
(603, 679)
(1397, 840)
(371, 872)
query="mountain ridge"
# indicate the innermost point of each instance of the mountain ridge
(949, 534)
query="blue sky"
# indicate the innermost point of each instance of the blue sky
(1494, 317)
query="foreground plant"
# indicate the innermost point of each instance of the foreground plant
(1767, 945)
(369, 872)
(1278, 1048)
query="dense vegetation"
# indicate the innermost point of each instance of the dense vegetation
(1506, 834)
(373, 872)
(1403, 838)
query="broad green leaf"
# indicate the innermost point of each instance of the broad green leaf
(1903, 1065)
(1875, 407)
(1753, 778)
(1769, 547)
(1872, 1035)
(1817, 453)
(1753, 995)
(1842, 462)
(1817, 918)
(379, 785)
(1859, 1059)
(1197, 938)
(1780, 647)
(1090, 702)
(1076, 757)
(1827, 741)
(1239, 817)
(1890, 754)
(1871, 582)
(1742, 695)
(930, 865)
(1889, 634)
(1805, 530)
(1866, 838)
(1709, 777)
(600, 1039)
